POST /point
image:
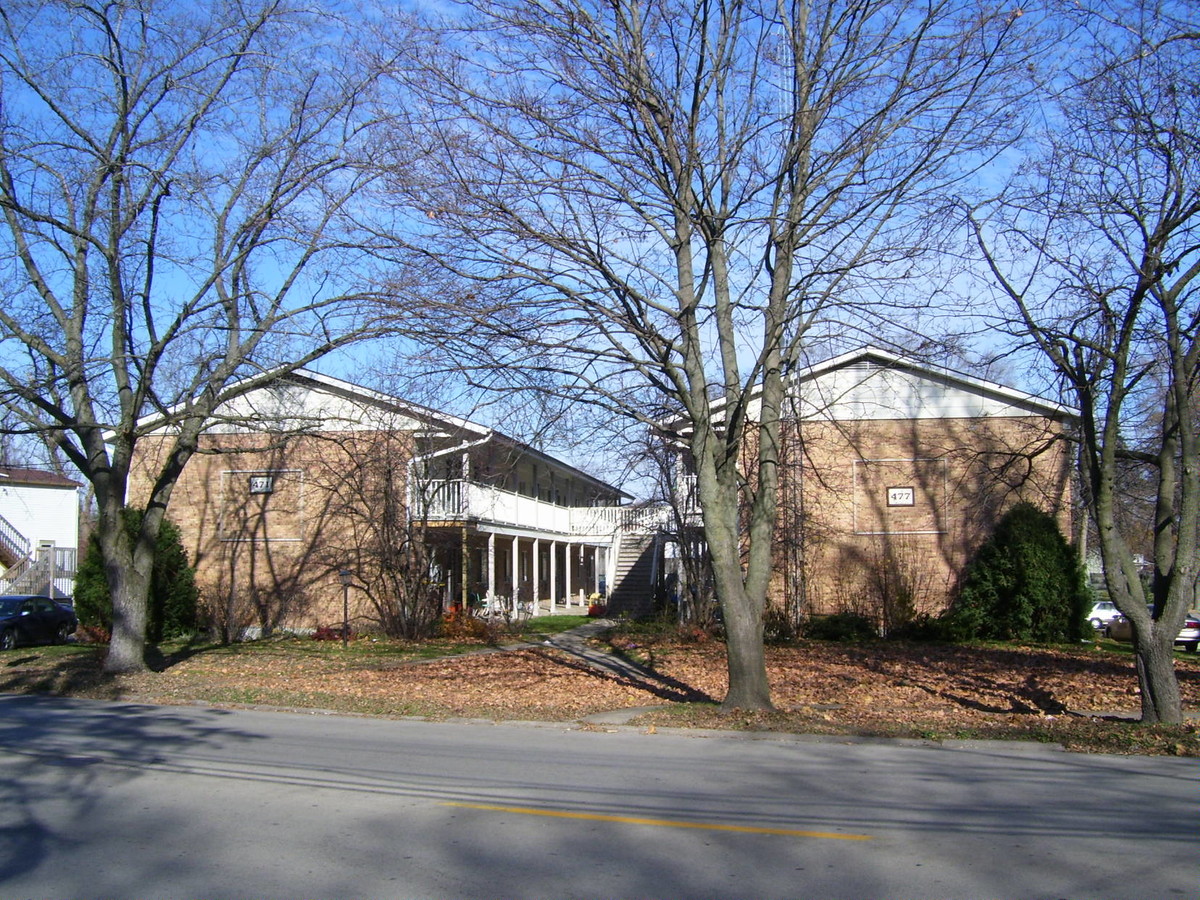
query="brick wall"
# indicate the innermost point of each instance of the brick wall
(268, 521)
(869, 504)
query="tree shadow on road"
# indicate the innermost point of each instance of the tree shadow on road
(57, 753)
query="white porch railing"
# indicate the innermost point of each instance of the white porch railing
(455, 500)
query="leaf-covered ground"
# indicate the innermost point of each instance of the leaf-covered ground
(1075, 696)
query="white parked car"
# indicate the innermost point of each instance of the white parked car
(1120, 629)
(1102, 614)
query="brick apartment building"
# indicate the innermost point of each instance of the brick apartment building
(894, 472)
(311, 476)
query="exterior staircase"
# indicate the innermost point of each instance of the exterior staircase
(637, 569)
(14, 546)
(49, 571)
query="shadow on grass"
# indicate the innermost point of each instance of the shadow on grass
(160, 658)
(77, 669)
(59, 672)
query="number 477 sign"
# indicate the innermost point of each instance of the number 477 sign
(901, 496)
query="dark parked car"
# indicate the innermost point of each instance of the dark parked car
(30, 619)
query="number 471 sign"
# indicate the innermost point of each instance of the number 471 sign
(901, 496)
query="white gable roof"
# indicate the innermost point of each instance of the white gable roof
(870, 383)
(305, 399)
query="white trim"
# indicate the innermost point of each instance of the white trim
(363, 399)
(263, 381)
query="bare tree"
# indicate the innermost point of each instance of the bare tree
(1096, 249)
(180, 189)
(648, 204)
(377, 509)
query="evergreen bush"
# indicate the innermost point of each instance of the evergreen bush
(173, 594)
(1025, 583)
(923, 629)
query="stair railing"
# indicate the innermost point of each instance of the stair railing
(19, 577)
(12, 540)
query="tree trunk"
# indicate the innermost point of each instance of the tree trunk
(742, 609)
(1161, 701)
(128, 562)
(745, 658)
(129, 590)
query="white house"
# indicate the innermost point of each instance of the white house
(39, 532)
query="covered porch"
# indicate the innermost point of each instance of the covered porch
(506, 572)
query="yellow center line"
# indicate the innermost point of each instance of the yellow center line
(661, 823)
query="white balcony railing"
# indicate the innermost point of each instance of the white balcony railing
(448, 501)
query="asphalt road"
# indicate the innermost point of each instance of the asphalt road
(122, 801)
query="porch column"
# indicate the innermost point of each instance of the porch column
(553, 573)
(491, 566)
(516, 569)
(596, 570)
(567, 555)
(610, 565)
(583, 574)
(537, 552)
(464, 570)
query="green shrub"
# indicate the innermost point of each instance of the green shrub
(843, 626)
(173, 595)
(1025, 583)
(93, 606)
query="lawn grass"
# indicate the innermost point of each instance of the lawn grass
(76, 667)
(541, 627)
